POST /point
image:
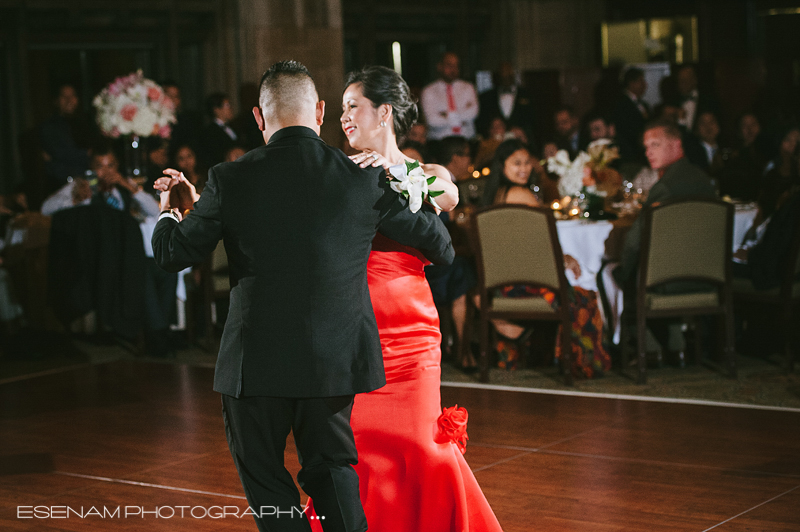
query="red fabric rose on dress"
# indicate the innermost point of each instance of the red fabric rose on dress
(453, 427)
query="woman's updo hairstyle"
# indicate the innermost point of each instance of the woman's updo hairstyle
(382, 85)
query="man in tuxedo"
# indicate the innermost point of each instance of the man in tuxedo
(508, 101)
(297, 218)
(630, 115)
(218, 136)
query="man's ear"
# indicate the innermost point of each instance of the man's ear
(320, 112)
(259, 118)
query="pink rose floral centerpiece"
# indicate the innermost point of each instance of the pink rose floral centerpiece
(134, 105)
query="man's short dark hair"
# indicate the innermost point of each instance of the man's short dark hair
(631, 75)
(215, 101)
(596, 114)
(283, 86)
(670, 128)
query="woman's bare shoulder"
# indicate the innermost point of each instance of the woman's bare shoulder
(522, 196)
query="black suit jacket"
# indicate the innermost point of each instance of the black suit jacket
(297, 218)
(629, 123)
(214, 142)
(680, 179)
(522, 114)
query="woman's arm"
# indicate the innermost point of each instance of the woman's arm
(448, 200)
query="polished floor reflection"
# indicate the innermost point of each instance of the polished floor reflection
(146, 440)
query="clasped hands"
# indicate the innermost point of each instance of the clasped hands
(173, 196)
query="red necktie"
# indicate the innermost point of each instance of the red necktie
(451, 106)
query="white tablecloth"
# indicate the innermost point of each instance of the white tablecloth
(742, 221)
(585, 240)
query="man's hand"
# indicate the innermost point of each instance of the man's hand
(81, 191)
(176, 191)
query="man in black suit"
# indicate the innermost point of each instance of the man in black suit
(630, 115)
(507, 100)
(218, 136)
(297, 218)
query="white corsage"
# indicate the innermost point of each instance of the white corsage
(408, 179)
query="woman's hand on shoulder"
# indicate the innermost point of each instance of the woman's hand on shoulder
(370, 158)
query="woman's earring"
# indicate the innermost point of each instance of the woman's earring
(383, 124)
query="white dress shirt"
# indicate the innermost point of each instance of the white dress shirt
(689, 111)
(228, 131)
(443, 122)
(506, 102)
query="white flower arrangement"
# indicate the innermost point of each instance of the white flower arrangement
(571, 173)
(408, 179)
(577, 174)
(134, 105)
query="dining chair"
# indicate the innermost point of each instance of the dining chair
(686, 245)
(518, 245)
(781, 302)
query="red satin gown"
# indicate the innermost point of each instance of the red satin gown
(408, 481)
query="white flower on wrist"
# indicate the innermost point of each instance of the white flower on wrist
(408, 179)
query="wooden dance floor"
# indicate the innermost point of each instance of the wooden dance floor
(147, 439)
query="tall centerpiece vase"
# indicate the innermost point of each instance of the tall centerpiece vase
(135, 156)
(132, 108)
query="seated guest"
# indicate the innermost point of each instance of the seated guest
(677, 178)
(453, 153)
(234, 153)
(514, 171)
(157, 159)
(783, 167)
(218, 136)
(741, 176)
(497, 133)
(515, 165)
(103, 185)
(418, 133)
(597, 125)
(671, 111)
(567, 131)
(415, 150)
(106, 186)
(707, 132)
(186, 162)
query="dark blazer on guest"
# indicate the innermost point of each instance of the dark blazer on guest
(214, 142)
(629, 122)
(522, 114)
(297, 218)
(682, 178)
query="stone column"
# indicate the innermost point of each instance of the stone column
(309, 31)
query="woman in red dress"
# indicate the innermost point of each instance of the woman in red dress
(412, 474)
